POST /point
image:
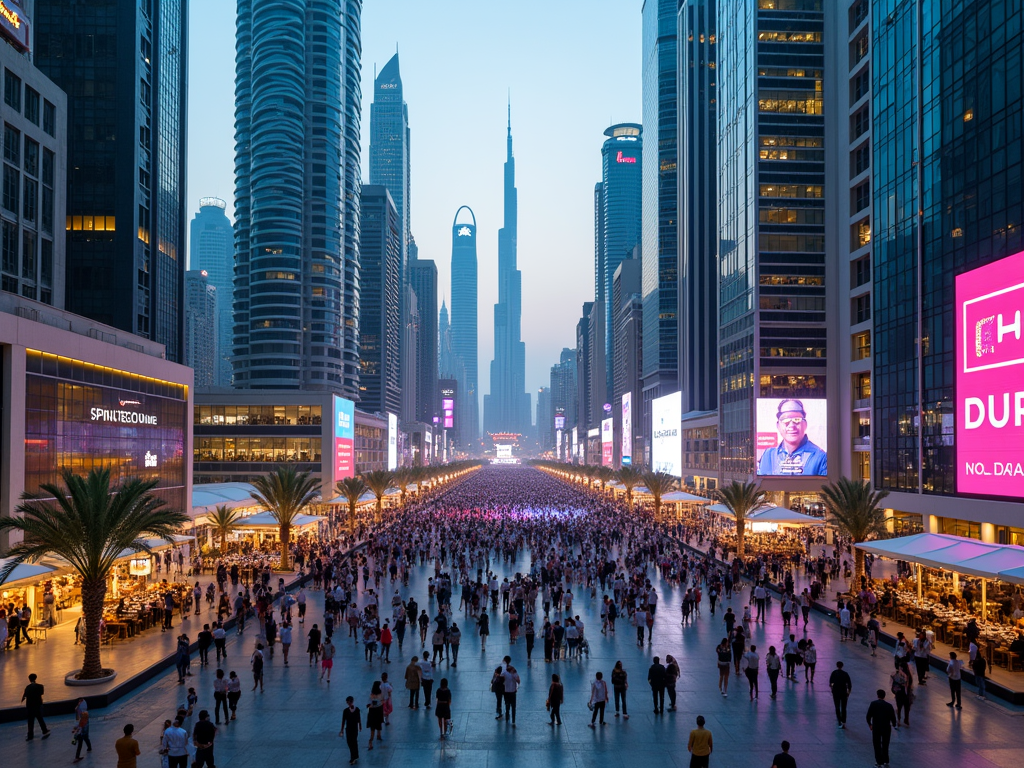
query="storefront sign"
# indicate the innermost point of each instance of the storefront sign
(13, 24)
(121, 417)
(140, 566)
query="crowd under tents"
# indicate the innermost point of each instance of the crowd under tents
(770, 515)
(957, 554)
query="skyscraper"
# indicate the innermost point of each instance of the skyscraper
(507, 407)
(352, 179)
(126, 159)
(449, 365)
(771, 231)
(212, 249)
(381, 296)
(563, 391)
(659, 237)
(389, 144)
(464, 325)
(617, 218)
(423, 280)
(202, 342)
(698, 207)
(291, 176)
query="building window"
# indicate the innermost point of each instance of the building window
(28, 255)
(860, 86)
(861, 309)
(12, 90)
(48, 167)
(860, 272)
(11, 192)
(860, 234)
(46, 262)
(9, 249)
(31, 200)
(861, 197)
(861, 345)
(32, 104)
(47, 218)
(9, 284)
(28, 291)
(31, 157)
(859, 49)
(862, 386)
(860, 160)
(860, 123)
(12, 145)
(49, 118)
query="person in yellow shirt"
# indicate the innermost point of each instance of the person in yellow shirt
(699, 745)
(127, 748)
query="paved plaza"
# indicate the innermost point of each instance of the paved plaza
(296, 721)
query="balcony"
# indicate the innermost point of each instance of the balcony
(862, 404)
(861, 444)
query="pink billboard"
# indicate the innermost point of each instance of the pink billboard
(990, 379)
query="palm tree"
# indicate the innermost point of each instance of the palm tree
(402, 479)
(379, 483)
(856, 511)
(630, 477)
(352, 488)
(89, 525)
(284, 493)
(658, 484)
(742, 499)
(222, 520)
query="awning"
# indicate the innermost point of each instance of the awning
(770, 514)
(207, 497)
(684, 496)
(156, 545)
(267, 521)
(366, 497)
(25, 572)
(954, 553)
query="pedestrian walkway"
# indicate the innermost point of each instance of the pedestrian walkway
(297, 719)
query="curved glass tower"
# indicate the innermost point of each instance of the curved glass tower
(289, 195)
(464, 323)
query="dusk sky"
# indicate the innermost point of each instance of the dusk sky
(573, 67)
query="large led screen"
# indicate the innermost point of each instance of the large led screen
(627, 429)
(344, 438)
(791, 437)
(392, 442)
(990, 379)
(607, 443)
(666, 435)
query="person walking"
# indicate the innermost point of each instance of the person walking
(286, 640)
(953, 670)
(498, 689)
(484, 625)
(619, 685)
(901, 685)
(413, 677)
(327, 651)
(351, 725)
(256, 661)
(174, 744)
(375, 713)
(127, 749)
(556, 695)
(234, 693)
(313, 644)
(511, 679)
(81, 729)
(386, 639)
(33, 698)
(881, 720)
(220, 641)
(598, 698)
(784, 759)
(749, 663)
(810, 661)
(841, 684)
(205, 641)
(203, 735)
(656, 679)
(979, 667)
(922, 649)
(443, 708)
(220, 696)
(426, 679)
(672, 673)
(773, 666)
(455, 642)
(700, 745)
(724, 652)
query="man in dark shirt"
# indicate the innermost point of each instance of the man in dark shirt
(351, 725)
(33, 698)
(205, 641)
(656, 676)
(784, 759)
(203, 735)
(841, 684)
(881, 721)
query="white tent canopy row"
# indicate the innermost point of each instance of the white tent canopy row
(366, 497)
(266, 521)
(25, 573)
(954, 553)
(207, 497)
(771, 514)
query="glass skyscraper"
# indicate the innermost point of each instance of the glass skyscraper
(659, 236)
(389, 144)
(618, 220)
(212, 250)
(124, 68)
(947, 197)
(290, 195)
(464, 326)
(771, 251)
(352, 181)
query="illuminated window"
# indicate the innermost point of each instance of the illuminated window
(792, 190)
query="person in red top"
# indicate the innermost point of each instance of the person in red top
(385, 643)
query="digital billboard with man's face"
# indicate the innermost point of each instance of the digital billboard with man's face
(990, 379)
(792, 437)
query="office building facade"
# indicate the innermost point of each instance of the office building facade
(212, 250)
(659, 230)
(124, 67)
(464, 325)
(202, 346)
(290, 195)
(627, 360)
(771, 155)
(352, 179)
(423, 281)
(32, 208)
(618, 218)
(381, 296)
(390, 144)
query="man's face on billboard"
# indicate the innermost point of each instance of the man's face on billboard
(792, 426)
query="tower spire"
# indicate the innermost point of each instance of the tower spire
(509, 140)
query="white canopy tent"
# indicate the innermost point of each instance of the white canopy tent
(681, 496)
(25, 572)
(265, 521)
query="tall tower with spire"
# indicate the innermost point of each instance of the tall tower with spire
(507, 407)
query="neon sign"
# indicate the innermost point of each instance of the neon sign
(619, 158)
(121, 417)
(13, 24)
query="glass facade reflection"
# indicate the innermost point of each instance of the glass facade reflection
(948, 197)
(81, 416)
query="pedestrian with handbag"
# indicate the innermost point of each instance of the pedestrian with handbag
(81, 729)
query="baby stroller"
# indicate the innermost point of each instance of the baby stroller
(584, 649)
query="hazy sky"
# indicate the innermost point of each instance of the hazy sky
(573, 67)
